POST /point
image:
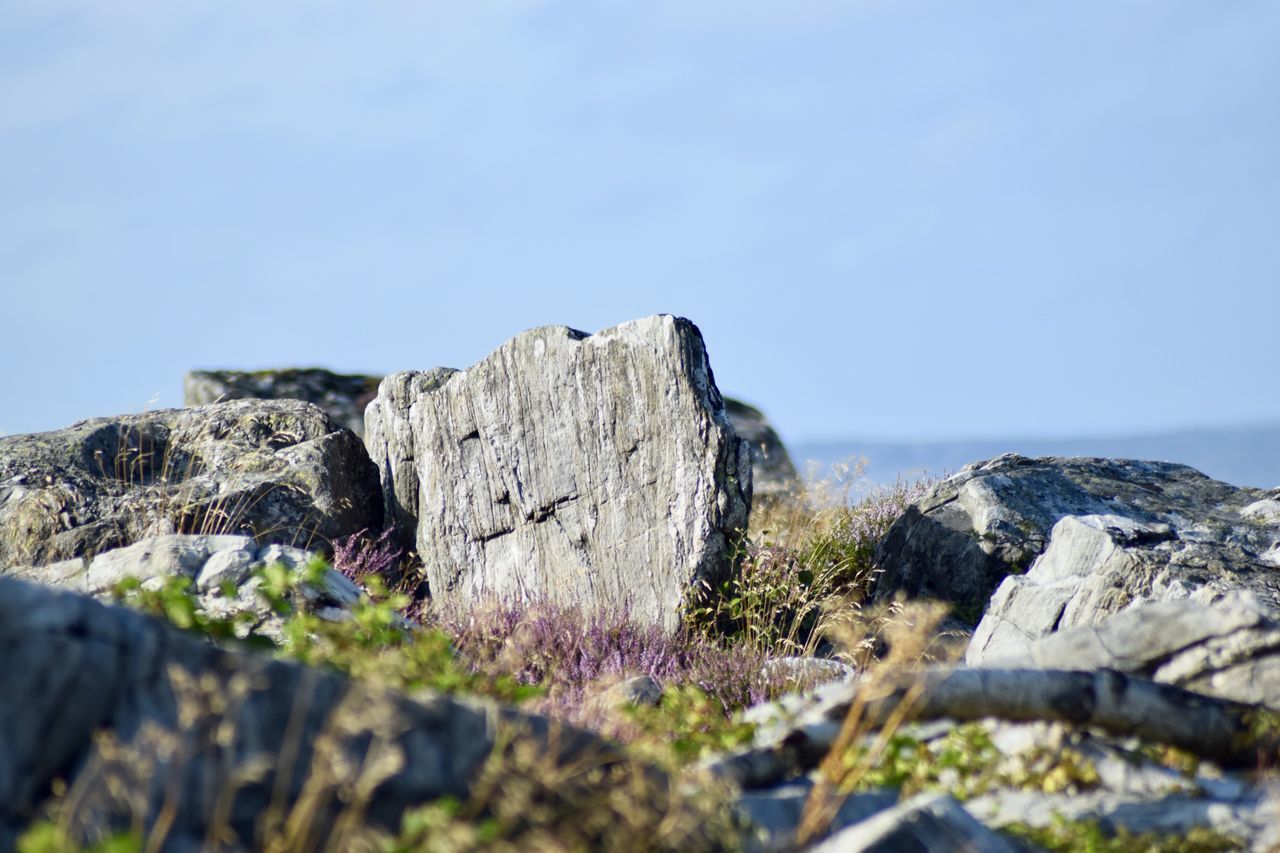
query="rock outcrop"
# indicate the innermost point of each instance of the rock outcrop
(342, 396)
(1076, 539)
(280, 471)
(1229, 649)
(224, 571)
(205, 743)
(773, 476)
(593, 470)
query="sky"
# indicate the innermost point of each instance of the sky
(901, 220)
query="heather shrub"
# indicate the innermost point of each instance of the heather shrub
(360, 556)
(568, 652)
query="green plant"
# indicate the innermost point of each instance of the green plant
(1088, 836)
(687, 725)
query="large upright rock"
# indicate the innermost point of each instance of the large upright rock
(341, 396)
(597, 470)
(1079, 538)
(278, 470)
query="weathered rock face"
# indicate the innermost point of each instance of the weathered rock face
(772, 474)
(224, 570)
(1091, 535)
(1229, 649)
(342, 396)
(235, 739)
(280, 471)
(594, 470)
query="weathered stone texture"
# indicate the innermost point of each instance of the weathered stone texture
(1092, 536)
(1229, 649)
(233, 740)
(223, 569)
(280, 471)
(342, 396)
(593, 470)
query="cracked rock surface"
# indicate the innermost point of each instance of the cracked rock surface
(223, 570)
(591, 470)
(1093, 537)
(278, 470)
(1229, 649)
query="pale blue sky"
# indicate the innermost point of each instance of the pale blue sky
(890, 219)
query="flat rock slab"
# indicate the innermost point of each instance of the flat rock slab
(340, 395)
(229, 741)
(1229, 649)
(1078, 539)
(925, 822)
(591, 470)
(278, 470)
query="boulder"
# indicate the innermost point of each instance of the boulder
(278, 470)
(341, 396)
(774, 814)
(1079, 538)
(1229, 649)
(924, 822)
(203, 742)
(590, 470)
(773, 477)
(224, 571)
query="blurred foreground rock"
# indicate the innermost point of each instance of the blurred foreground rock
(206, 745)
(278, 470)
(590, 470)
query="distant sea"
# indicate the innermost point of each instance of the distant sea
(1243, 456)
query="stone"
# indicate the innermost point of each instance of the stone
(773, 476)
(774, 813)
(278, 470)
(807, 671)
(924, 822)
(190, 723)
(1077, 539)
(1111, 811)
(222, 567)
(1229, 648)
(341, 396)
(638, 691)
(597, 471)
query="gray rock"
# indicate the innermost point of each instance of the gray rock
(1166, 815)
(342, 396)
(807, 671)
(775, 813)
(213, 562)
(593, 470)
(924, 822)
(1101, 533)
(278, 470)
(229, 738)
(1229, 649)
(773, 476)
